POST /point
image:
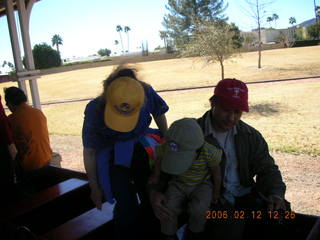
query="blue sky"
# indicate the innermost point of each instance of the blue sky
(87, 26)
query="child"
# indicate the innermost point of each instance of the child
(190, 165)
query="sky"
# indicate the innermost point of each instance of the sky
(87, 26)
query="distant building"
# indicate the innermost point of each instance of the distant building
(81, 59)
(270, 35)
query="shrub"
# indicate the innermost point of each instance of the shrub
(104, 52)
(45, 56)
(304, 43)
(300, 35)
(314, 31)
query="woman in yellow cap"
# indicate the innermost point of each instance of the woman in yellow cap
(117, 165)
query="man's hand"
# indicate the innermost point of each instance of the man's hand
(158, 200)
(96, 197)
(276, 203)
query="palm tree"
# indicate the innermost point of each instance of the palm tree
(317, 10)
(292, 20)
(275, 18)
(269, 20)
(126, 30)
(292, 30)
(116, 42)
(56, 40)
(119, 30)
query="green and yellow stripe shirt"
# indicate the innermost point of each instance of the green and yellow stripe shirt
(200, 170)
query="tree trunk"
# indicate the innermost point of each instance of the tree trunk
(259, 34)
(222, 69)
(121, 42)
(128, 41)
(259, 53)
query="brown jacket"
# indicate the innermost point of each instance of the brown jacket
(253, 158)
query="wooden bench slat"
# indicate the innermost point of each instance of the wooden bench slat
(41, 198)
(82, 225)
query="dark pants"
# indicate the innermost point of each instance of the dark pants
(132, 220)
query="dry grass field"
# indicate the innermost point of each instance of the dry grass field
(177, 73)
(287, 113)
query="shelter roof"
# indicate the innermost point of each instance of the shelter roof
(3, 9)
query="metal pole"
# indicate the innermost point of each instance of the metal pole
(24, 17)
(15, 42)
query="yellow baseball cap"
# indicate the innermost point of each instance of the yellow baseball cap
(125, 98)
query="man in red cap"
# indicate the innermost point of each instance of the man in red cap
(246, 155)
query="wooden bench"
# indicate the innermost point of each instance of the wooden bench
(89, 224)
(51, 207)
(24, 206)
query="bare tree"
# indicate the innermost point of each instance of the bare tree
(257, 10)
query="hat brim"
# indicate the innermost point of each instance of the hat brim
(233, 105)
(120, 122)
(177, 162)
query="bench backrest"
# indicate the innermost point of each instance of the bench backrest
(84, 225)
(24, 206)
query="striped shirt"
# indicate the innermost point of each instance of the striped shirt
(200, 170)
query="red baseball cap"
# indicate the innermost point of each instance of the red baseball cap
(233, 94)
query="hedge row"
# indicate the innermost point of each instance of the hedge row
(303, 43)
